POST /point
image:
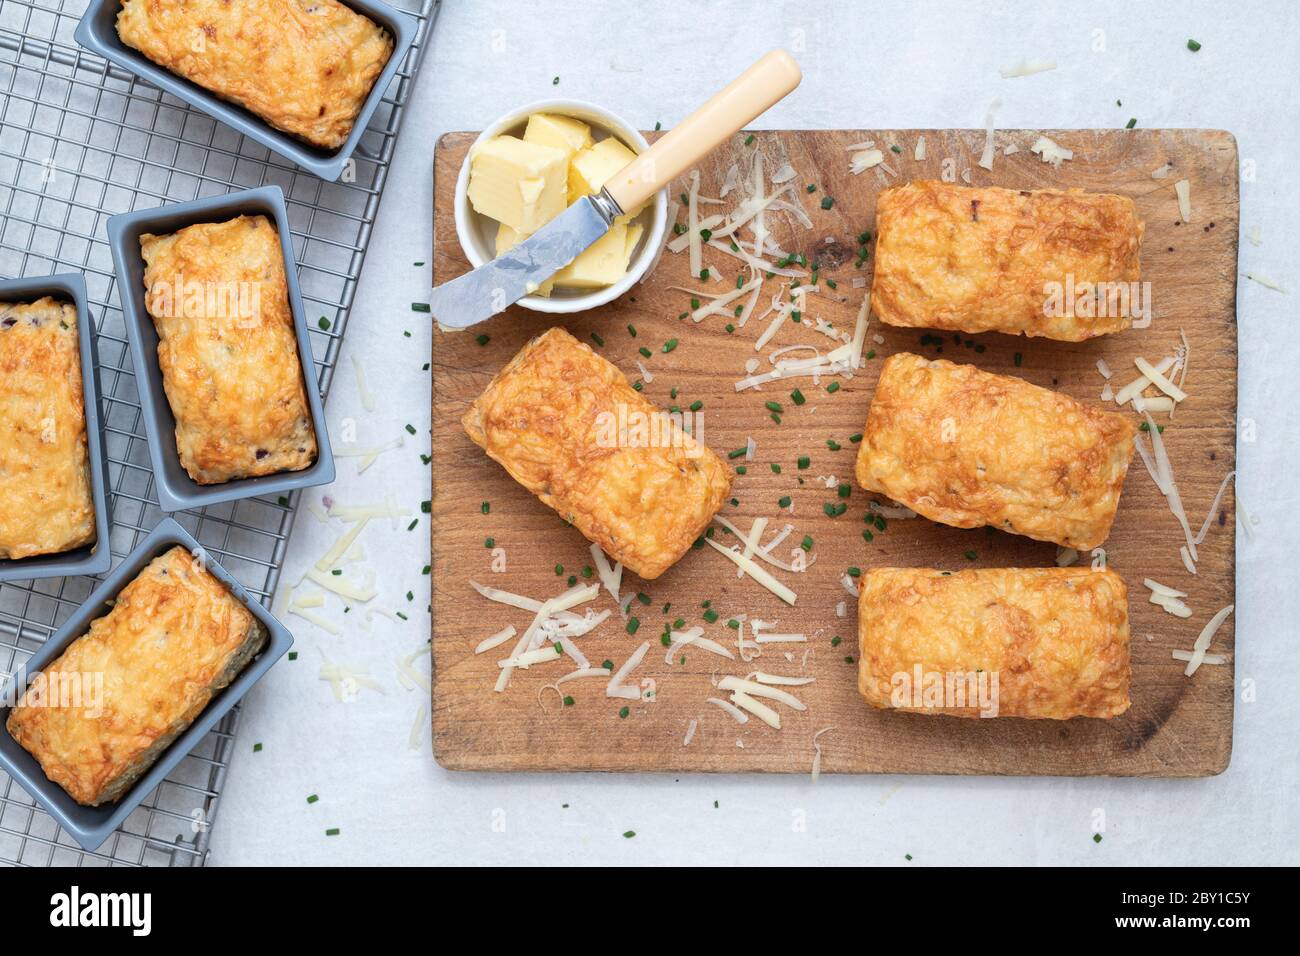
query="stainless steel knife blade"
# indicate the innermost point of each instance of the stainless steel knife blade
(496, 285)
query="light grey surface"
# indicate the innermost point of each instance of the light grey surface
(878, 65)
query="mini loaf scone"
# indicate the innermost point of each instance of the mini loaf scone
(46, 505)
(304, 66)
(104, 710)
(567, 426)
(988, 260)
(1006, 642)
(967, 448)
(227, 349)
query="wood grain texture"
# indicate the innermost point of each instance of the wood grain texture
(1176, 726)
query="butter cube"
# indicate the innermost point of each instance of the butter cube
(633, 237)
(591, 167)
(507, 238)
(516, 183)
(558, 132)
(602, 263)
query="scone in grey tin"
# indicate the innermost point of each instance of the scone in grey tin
(92, 826)
(92, 558)
(176, 489)
(97, 32)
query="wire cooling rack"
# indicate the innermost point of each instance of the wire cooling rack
(81, 140)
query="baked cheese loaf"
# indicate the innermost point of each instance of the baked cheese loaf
(227, 349)
(967, 448)
(1007, 642)
(988, 260)
(174, 638)
(46, 505)
(552, 419)
(304, 66)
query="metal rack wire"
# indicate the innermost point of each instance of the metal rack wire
(81, 140)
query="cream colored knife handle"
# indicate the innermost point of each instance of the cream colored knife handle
(747, 96)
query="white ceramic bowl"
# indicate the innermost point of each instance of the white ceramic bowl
(477, 233)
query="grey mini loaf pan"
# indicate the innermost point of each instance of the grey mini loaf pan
(92, 558)
(97, 32)
(91, 826)
(177, 491)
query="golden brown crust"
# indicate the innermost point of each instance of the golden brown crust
(174, 638)
(968, 448)
(977, 259)
(229, 356)
(304, 66)
(46, 504)
(547, 418)
(1056, 639)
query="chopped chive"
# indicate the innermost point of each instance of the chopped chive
(776, 418)
(410, 429)
(595, 337)
(833, 387)
(632, 625)
(1131, 123)
(827, 202)
(312, 798)
(772, 406)
(586, 572)
(834, 510)
(670, 345)
(332, 831)
(483, 339)
(776, 469)
(868, 536)
(559, 569)
(810, 188)
(645, 352)
(623, 712)
(324, 323)
(419, 307)
(489, 543)
(742, 470)
(832, 444)
(971, 555)
(845, 489)
(895, 149)
(749, 139)
(696, 405)
(783, 502)
(257, 748)
(1193, 46)
(1018, 359)
(804, 461)
(711, 615)
(568, 701)
(736, 453)
(797, 397)
(807, 543)
(855, 572)
(856, 438)
(485, 507)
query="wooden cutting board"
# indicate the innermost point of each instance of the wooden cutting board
(1176, 727)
